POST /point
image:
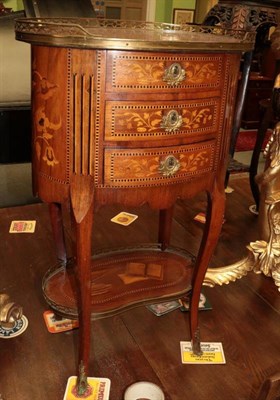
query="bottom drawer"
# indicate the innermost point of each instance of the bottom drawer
(157, 166)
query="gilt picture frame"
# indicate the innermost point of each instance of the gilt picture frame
(183, 16)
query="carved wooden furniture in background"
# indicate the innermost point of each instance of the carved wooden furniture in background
(246, 14)
(129, 113)
(257, 16)
(259, 89)
(266, 121)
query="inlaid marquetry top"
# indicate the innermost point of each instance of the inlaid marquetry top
(115, 34)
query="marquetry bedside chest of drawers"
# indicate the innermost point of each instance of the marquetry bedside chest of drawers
(129, 113)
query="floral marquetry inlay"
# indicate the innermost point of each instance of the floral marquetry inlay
(45, 127)
(45, 130)
(147, 72)
(148, 122)
(124, 119)
(198, 73)
(143, 72)
(140, 121)
(144, 167)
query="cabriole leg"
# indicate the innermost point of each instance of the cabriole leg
(214, 221)
(81, 192)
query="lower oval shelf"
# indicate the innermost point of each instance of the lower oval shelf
(120, 280)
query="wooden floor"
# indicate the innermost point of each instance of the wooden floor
(137, 345)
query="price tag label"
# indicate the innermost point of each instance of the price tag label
(22, 227)
(98, 389)
(213, 353)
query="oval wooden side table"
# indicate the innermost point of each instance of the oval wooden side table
(129, 113)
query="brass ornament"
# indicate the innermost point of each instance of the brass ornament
(169, 166)
(267, 250)
(196, 344)
(82, 382)
(225, 275)
(171, 121)
(267, 253)
(174, 74)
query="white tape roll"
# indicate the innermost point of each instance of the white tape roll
(143, 391)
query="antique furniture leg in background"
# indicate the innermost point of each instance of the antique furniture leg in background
(165, 224)
(58, 231)
(265, 121)
(239, 104)
(270, 389)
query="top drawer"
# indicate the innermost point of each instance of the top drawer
(146, 72)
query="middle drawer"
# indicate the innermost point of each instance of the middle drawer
(141, 120)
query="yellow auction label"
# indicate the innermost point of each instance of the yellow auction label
(98, 389)
(22, 227)
(212, 353)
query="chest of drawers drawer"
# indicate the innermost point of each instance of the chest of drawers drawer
(152, 167)
(142, 71)
(139, 120)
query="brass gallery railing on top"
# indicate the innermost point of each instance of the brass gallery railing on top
(90, 27)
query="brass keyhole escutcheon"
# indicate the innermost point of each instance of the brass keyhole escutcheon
(169, 166)
(171, 121)
(174, 74)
